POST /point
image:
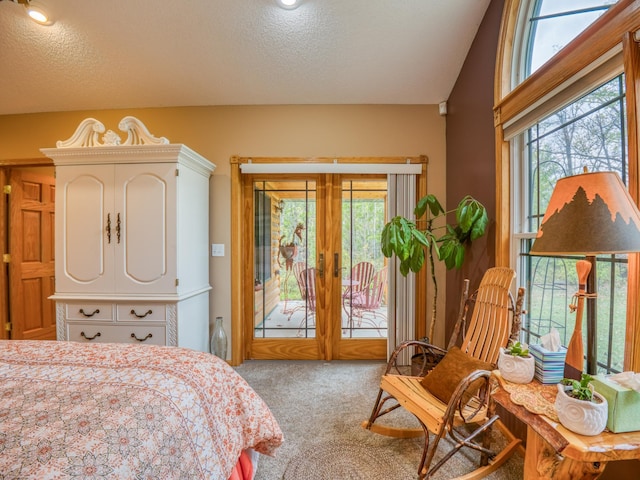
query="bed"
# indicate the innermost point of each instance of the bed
(71, 410)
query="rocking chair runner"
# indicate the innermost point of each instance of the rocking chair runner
(443, 404)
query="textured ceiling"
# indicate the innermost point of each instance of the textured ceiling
(141, 53)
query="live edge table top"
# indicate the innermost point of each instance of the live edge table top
(604, 447)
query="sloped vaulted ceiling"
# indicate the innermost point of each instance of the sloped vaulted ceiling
(138, 53)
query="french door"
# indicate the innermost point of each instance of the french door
(317, 273)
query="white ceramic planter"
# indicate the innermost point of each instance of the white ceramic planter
(516, 369)
(581, 416)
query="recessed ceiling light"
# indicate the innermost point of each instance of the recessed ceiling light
(37, 13)
(288, 4)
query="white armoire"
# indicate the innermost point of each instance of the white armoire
(132, 236)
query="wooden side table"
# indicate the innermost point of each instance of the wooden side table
(553, 452)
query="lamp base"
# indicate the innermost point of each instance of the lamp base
(572, 372)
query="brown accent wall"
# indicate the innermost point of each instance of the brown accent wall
(471, 151)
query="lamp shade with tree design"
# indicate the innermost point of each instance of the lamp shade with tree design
(588, 214)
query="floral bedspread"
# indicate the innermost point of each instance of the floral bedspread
(75, 410)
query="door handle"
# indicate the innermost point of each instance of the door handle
(108, 228)
(321, 266)
(118, 227)
(336, 270)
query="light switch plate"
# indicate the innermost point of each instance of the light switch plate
(217, 249)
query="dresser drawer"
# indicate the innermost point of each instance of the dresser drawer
(141, 312)
(90, 332)
(89, 311)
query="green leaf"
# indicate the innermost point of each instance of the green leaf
(431, 202)
(421, 207)
(472, 219)
(459, 258)
(421, 237)
(479, 225)
(417, 259)
(434, 206)
(404, 268)
(386, 240)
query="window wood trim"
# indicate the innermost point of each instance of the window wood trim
(613, 29)
(631, 51)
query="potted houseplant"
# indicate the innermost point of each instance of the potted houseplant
(288, 249)
(579, 407)
(445, 241)
(516, 364)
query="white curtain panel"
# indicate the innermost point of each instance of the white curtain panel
(402, 290)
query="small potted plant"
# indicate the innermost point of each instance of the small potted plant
(579, 407)
(516, 364)
(289, 249)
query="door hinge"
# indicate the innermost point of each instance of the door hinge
(6, 257)
(177, 172)
(6, 189)
(8, 326)
(177, 282)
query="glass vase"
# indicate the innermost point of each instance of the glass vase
(219, 339)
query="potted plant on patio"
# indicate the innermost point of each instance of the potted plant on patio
(579, 407)
(516, 364)
(408, 241)
(288, 249)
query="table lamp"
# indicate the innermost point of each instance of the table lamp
(588, 214)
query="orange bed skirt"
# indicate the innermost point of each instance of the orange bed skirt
(243, 469)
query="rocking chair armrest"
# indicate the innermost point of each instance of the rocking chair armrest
(429, 355)
(469, 403)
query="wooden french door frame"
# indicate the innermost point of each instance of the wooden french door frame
(242, 245)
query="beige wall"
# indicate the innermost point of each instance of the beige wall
(217, 133)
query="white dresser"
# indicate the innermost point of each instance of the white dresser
(132, 238)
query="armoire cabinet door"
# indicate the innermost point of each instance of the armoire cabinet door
(117, 228)
(145, 206)
(84, 254)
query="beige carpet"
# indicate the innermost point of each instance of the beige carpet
(320, 406)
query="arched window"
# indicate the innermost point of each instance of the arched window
(561, 107)
(549, 25)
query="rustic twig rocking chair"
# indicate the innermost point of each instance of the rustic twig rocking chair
(453, 397)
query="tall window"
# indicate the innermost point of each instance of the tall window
(585, 131)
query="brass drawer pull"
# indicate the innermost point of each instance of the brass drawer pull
(133, 335)
(97, 310)
(133, 312)
(89, 338)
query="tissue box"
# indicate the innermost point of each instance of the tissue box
(624, 404)
(549, 365)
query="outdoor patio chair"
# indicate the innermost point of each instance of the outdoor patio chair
(366, 303)
(359, 279)
(297, 270)
(453, 397)
(308, 279)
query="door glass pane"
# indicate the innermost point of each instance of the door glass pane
(285, 252)
(364, 272)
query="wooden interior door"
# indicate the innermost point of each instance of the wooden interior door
(31, 248)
